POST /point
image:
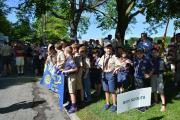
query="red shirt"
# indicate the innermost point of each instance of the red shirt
(19, 52)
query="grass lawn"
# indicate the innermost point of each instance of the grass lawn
(95, 111)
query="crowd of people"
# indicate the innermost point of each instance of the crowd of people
(17, 57)
(102, 65)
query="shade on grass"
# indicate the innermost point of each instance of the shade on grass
(95, 110)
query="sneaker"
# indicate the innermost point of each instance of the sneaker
(72, 110)
(113, 108)
(142, 109)
(106, 106)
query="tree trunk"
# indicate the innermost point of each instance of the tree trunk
(165, 32)
(74, 24)
(123, 21)
(73, 29)
(120, 31)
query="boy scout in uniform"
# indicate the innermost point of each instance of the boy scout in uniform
(107, 64)
(70, 70)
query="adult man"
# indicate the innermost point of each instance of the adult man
(19, 53)
(145, 44)
(6, 53)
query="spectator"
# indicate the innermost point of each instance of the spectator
(85, 73)
(123, 71)
(157, 78)
(19, 53)
(6, 52)
(143, 71)
(60, 55)
(78, 62)
(70, 69)
(96, 72)
(107, 64)
(146, 45)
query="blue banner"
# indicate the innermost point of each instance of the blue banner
(54, 81)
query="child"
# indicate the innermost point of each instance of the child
(78, 60)
(85, 63)
(60, 55)
(123, 71)
(96, 71)
(142, 72)
(157, 77)
(107, 64)
(52, 56)
(70, 70)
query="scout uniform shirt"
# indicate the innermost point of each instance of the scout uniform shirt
(108, 63)
(60, 58)
(141, 66)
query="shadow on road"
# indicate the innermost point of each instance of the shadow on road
(15, 80)
(21, 105)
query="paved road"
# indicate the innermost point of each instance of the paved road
(22, 98)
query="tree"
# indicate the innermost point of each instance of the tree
(161, 13)
(68, 10)
(21, 29)
(119, 14)
(5, 25)
(176, 25)
(55, 29)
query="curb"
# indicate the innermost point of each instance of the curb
(72, 116)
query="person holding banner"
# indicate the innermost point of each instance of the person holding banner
(70, 70)
(142, 72)
(107, 64)
(52, 56)
(157, 78)
(60, 55)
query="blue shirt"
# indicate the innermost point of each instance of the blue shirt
(122, 75)
(142, 66)
(69, 64)
(146, 45)
(158, 65)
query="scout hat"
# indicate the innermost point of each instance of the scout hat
(107, 44)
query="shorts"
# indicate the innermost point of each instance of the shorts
(20, 61)
(157, 83)
(71, 83)
(108, 82)
(6, 60)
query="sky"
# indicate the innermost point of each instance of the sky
(97, 33)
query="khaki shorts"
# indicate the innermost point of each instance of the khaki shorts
(20, 61)
(71, 83)
(157, 83)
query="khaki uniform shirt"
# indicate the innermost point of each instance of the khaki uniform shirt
(60, 59)
(111, 64)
